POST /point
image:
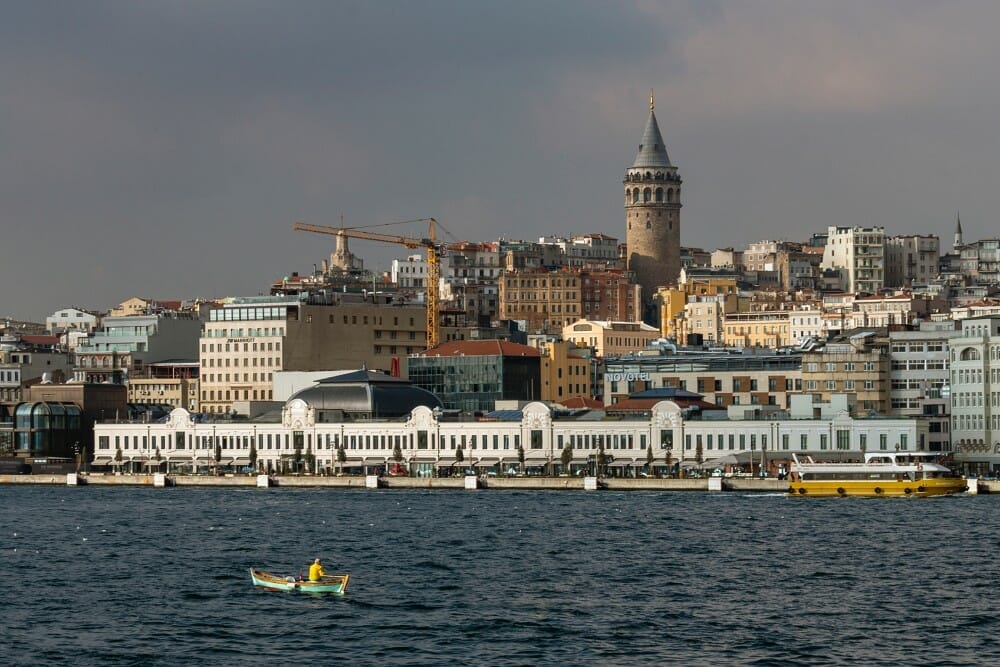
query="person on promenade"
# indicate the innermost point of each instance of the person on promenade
(316, 570)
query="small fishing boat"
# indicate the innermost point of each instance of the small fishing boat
(336, 584)
(880, 475)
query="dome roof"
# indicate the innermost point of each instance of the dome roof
(367, 393)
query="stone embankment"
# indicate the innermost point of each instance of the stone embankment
(740, 485)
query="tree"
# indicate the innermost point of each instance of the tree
(297, 452)
(459, 455)
(397, 453)
(310, 459)
(649, 458)
(253, 454)
(118, 457)
(520, 458)
(566, 457)
(341, 457)
(158, 457)
(218, 456)
(602, 460)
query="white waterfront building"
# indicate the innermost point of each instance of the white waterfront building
(426, 440)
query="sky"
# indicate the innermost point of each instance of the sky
(164, 149)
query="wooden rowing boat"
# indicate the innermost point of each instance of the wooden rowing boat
(336, 584)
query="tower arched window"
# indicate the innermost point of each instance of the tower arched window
(646, 195)
(649, 175)
(670, 195)
(659, 195)
(635, 196)
(628, 195)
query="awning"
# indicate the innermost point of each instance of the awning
(449, 463)
(689, 464)
(241, 461)
(485, 464)
(154, 463)
(623, 464)
(179, 458)
(102, 460)
(728, 459)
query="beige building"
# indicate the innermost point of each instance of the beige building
(723, 379)
(609, 339)
(911, 260)
(565, 371)
(860, 252)
(246, 341)
(173, 383)
(855, 364)
(759, 328)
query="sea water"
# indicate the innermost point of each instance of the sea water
(136, 576)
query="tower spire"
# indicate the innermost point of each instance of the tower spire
(652, 103)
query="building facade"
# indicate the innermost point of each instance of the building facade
(246, 341)
(975, 392)
(860, 253)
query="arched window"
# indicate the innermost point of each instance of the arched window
(970, 354)
(659, 195)
(635, 196)
(670, 195)
(649, 175)
(646, 195)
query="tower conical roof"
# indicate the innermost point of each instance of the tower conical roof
(652, 150)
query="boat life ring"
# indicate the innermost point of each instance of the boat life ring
(920, 467)
(878, 490)
(907, 490)
(841, 491)
(802, 491)
(921, 489)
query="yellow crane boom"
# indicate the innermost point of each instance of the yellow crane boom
(433, 265)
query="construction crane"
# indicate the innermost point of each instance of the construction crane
(433, 265)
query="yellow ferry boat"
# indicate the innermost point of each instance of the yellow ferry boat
(882, 474)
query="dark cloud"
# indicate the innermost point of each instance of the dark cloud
(164, 149)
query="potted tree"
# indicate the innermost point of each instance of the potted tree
(649, 459)
(252, 455)
(397, 456)
(459, 457)
(341, 458)
(566, 458)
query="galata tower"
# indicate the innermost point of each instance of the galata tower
(653, 212)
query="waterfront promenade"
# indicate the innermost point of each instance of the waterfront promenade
(360, 482)
(731, 484)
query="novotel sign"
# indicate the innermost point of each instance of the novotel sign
(627, 377)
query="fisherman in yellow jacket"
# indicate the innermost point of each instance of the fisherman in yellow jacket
(316, 571)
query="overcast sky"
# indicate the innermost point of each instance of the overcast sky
(163, 149)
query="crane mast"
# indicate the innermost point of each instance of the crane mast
(433, 261)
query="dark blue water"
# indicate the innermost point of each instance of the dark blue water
(159, 577)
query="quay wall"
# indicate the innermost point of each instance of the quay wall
(739, 485)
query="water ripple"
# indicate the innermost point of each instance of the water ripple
(159, 577)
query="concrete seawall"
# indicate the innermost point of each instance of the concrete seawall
(738, 485)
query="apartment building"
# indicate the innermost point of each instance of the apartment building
(919, 374)
(722, 378)
(856, 364)
(975, 392)
(860, 253)
(247, 340)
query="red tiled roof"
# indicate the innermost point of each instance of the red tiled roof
(40, 340)
(581, 402)
(482, 348)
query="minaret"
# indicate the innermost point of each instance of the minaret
(958, 232)
(653, 212)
